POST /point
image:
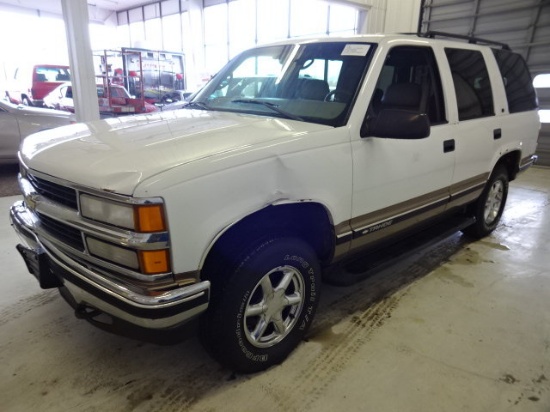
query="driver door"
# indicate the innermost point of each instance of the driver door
(400, 182)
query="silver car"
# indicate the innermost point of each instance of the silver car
(18, 121)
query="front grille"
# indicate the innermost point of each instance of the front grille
(65, 233)
(53, 191)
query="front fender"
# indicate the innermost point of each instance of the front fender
(221, 191)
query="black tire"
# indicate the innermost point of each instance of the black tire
(489, 206)
(261, 310)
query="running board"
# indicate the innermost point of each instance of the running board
(373, 261)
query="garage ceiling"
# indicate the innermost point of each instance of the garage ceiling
(522, 24)
(118, 5)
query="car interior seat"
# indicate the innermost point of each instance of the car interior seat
(403, 96)
(313, 89)
(469, 106)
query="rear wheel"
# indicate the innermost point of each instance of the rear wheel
(489, 207)
(261, 309)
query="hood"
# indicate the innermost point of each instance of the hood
(117, 154)
(35, 112)
(20, 110)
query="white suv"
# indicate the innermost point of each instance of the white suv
(295, 156)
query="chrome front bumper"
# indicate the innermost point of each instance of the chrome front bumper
(45, 261)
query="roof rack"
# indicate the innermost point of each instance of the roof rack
(470, 39)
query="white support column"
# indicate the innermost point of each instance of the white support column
(75, 14)
(402, 16)
(195, 56)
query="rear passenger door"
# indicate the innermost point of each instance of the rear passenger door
(476, 128)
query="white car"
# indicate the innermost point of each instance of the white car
(18, 121)
(293, 157)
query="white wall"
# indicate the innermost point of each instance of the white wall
(389, 16)
(402, 16)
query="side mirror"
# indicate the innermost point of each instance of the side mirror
(397, 124)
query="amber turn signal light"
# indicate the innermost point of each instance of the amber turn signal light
(149, 218)
(154, 261)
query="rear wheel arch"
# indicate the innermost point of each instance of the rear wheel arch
(488, 208)
(510, 162)
(26, 100)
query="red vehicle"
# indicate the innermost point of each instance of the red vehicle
(155, 75)
(30, 85)
(114, 101)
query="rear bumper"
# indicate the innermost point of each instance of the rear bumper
(53, 268)
(528, 162)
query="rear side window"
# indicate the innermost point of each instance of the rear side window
(518, 84)
(472, 86)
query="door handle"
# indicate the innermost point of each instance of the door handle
(449, 146)
(497, 134)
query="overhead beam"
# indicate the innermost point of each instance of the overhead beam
(531, 32)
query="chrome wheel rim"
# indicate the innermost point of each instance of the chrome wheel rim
(493, 202)
(274, 306)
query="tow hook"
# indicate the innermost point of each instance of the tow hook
(86, 312)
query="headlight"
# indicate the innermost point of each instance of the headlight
(139, 218)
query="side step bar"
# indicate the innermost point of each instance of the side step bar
(373, 261)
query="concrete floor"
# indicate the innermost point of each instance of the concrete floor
(457, 327)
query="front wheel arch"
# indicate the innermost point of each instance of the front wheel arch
(25, 100)
(308, 221)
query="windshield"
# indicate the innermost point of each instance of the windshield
(52, 74)
(314, 82)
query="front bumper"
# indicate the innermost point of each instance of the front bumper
(53, 268)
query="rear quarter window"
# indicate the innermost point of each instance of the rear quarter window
(517, 80)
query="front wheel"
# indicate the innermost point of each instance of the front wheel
(489, 207)
(262, 309)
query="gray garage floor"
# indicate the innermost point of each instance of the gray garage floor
(458, 327)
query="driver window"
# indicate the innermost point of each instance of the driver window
(409, 81)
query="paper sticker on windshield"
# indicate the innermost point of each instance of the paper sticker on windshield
(356, 50)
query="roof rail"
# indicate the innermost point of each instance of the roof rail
(470, 39)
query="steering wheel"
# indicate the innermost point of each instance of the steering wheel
(337, 96)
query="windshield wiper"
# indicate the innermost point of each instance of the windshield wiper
(271, 106)
(197, 105)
